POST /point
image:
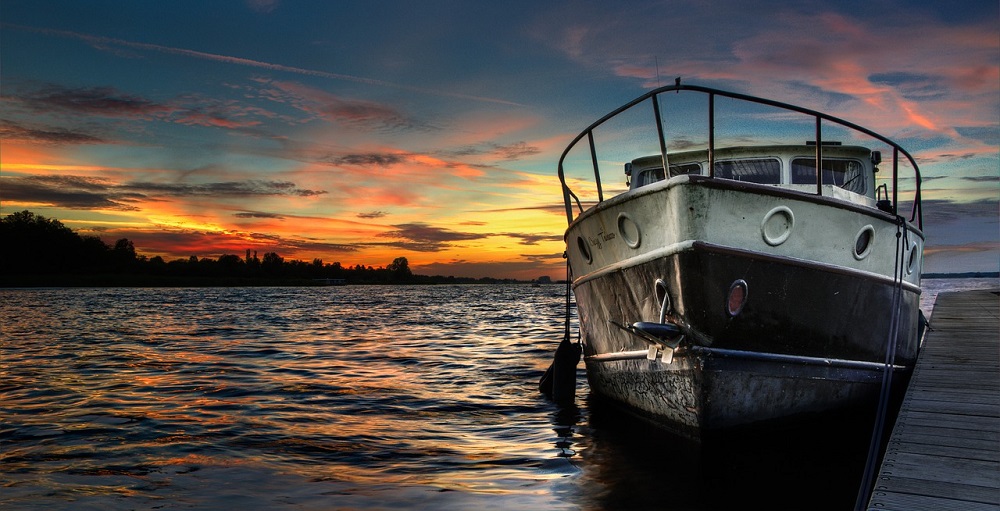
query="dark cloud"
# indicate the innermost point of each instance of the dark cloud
(362, 112)
(258, 214)
(982, 179)
(71, 192)
(368, 159)
(248, 188)
(987, 135)
(533, 239)
(108, 102)
(513, 151)
(10, 130)
(100, 101)
(372, 215)
(421, 237)
(941, 211)
(78, 192)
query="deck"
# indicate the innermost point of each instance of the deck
(944, 452)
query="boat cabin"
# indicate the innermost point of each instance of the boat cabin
(848, 171)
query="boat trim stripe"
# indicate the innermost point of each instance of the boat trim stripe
(711, 247)
(751, 355)
(646, 257)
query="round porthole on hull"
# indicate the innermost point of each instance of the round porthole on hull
(629, 230)
(863, 242)
(737, 297)
(584, 249)
(913, 258)
(777, 225)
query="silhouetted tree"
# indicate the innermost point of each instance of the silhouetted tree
(399, 270)
(271, 263)
(230, 264)
(124, 255)
(35, 244)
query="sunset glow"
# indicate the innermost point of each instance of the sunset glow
(359, 133)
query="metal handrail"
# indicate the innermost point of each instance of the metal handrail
(569, 197)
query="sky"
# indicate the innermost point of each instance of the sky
(358, 132)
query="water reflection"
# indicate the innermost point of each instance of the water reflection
(358, 398)
(629, 462)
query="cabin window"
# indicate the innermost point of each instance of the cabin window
(685, 168)
(846, 174)
(648, 177)
(758, 170)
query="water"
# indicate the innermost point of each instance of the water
(348, 398)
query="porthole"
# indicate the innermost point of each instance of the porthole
(777, 225)
(914, 258)
(737, 297)
(863, 242)
(629, 230)
(584, 249)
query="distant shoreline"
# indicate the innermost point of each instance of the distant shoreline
(963, 275)
(131, 280)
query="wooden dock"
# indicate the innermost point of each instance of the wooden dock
(944, 452)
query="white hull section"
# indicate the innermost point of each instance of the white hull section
(812, 333)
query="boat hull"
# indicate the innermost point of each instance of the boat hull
(811, 335)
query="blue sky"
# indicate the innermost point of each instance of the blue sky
(359, 132)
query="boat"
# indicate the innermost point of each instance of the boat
(753, 261)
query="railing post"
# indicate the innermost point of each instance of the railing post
(819, 156)
(659, 134)
(597, 167)
(895, 183)
(711, 134)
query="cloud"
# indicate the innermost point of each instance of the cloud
(109, 102)
(333, 108)
(534, 239)
(98, 101)
(988, 135)
(10, 130)
(247, 188)
(982, 179)
(372, 215)
(421, 237)
(258, 214)
(368, 159)
(79, 192)
(109, 43)
(514, 151)
(73, 192)
(937, 211)
(936, 70)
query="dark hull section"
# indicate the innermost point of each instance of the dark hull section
(809, 338)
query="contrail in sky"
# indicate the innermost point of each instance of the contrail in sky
(98, 40)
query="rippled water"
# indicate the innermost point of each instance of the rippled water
(344, 398)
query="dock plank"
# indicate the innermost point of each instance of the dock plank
(944, 452)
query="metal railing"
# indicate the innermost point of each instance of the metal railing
(569, 197)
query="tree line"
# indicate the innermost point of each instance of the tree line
(42, 251)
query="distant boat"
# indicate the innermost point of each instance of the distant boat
(738, 280)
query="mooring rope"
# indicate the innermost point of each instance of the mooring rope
(864, 492)
(569, 290)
